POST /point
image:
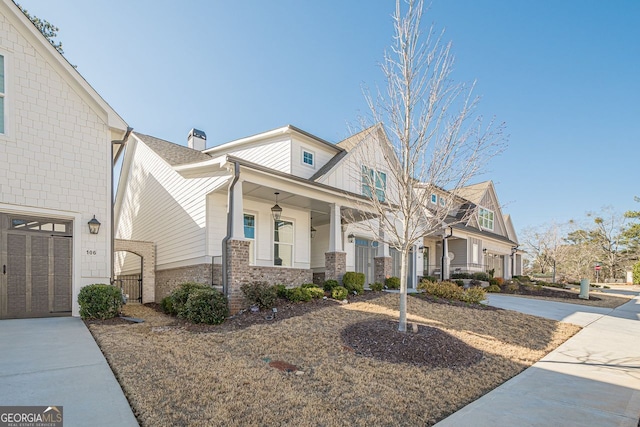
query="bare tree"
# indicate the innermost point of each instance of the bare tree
(432, 140)
(544, 244)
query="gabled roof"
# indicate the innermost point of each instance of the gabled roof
(475, 192)
(173, 154)
(10, 10)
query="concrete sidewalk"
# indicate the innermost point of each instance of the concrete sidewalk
(593, 379)
(56, 362)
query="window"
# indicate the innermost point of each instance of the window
(2, 94)
(442, 201)
(376, 178)
(434, 199)
(485, 218)
(307, 158)
(283, 243)
(250, 235)
(474, 254)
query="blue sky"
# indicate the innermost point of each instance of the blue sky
(563, 74)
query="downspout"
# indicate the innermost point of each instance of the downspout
(113, 202)
(225, 240)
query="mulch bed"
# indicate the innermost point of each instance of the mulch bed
(541, 292)
(425, 346)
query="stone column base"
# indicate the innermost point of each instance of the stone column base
(335, 264)
(238, 273)
(382, 268)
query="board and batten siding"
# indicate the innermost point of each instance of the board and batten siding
(489, 202)
(161, 206)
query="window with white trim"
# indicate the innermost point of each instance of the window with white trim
(485, 218)
(283, 243)
(250, 235)
(434, 199)
(2, 95)
(373, 178)
(307, 158)
(443, 202)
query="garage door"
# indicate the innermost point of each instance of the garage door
(36, 259)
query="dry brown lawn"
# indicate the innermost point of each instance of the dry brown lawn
(597, 298)
(173, 376)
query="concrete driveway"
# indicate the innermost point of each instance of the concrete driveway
(56, 362)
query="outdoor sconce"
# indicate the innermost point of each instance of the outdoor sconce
(351, 237)
(484, 251)
(421, 249)
(514, 250)
(313, 230)
(276, 210)
(94, 225)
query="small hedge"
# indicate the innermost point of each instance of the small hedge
(205, 306)
(430, 278)
(353, 281)
(281, 291)
(493, 289)
(175, 302)
(328, 285)
(376, 287)
(339, 293)
(260, 293)
(451, 291)
(100, 301)
(304, 294)
(392, 282)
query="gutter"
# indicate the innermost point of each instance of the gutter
(225, 240)
(445, 254)
(120, 143)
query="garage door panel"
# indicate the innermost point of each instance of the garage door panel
(16, 274)
(62, 274)
(39, 275)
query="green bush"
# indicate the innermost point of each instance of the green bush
(299, 294)
(339, 293)
(315, 292)
(281, 291)
(460, 276)
(459, 282)
(493, 289)
(473, 295)
(328, 285)
(636, 273)
(167, 305)
(377, 286)
(205, 305)
(446, 290)
(482, 276)
(180, 295)
(522, 278)
(392, 282)
(494, 282)
(260, 293)
(353, 281)
(430, 278)
(100, 301)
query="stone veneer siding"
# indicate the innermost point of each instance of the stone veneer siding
(382, 268)
(335, 265)
(318, 278)
(170, 279)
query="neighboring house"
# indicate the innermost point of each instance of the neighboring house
(480, 239)
(56, 138)
(210, 212)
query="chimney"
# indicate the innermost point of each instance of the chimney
(197, 140)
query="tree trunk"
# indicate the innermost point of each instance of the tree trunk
(402, 324)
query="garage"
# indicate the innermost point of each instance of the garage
(36, 261)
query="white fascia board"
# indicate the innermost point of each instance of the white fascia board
(217, 166)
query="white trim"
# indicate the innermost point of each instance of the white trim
(313, 158)
(255, 233)
(292, 244)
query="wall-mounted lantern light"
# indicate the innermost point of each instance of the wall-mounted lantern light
(421, 249)
(484, 250)
(94, 225)
(276, 210)
(313, 230)
(351, 237)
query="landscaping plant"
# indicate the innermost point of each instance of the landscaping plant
(99, 301)
(328, 285)
(205, 305)
(260, 293)
(340, 293)
(353, 281)
(392, 282)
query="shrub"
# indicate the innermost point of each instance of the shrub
(339, 293)
(167, 305)
(299, 294)
(376, 287)
(522, 278)
(636, 273)
(459, 282)
(460, 276)
(328, 285)
(430, 278)
(473, 295)
(511, 286)
(281, 291)
(392, 282)
(100, 301)
(205, 305)
(309, 285)
(353, 281)
(315, 292)
(493, 288)
(260, 293)
(447, 290)
(180, 295)
(482, 276)
(500, 280)
(475, 283)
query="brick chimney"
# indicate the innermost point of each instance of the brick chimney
(197, 140)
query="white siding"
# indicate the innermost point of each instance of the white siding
(163, 207)
(273, 154)
(321, 156)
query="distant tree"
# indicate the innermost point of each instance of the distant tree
(631, 233)
(436, 140)
(608, 241)
(47, 29)
(544, 246)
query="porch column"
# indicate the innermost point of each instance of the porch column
(382, 263)
(237, 226)
(237, 252)
(335, 260)
(445, 259)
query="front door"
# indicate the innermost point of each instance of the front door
(365, 253)
(36, 259)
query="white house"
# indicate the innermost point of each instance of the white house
(56, 138)
(210, 212)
